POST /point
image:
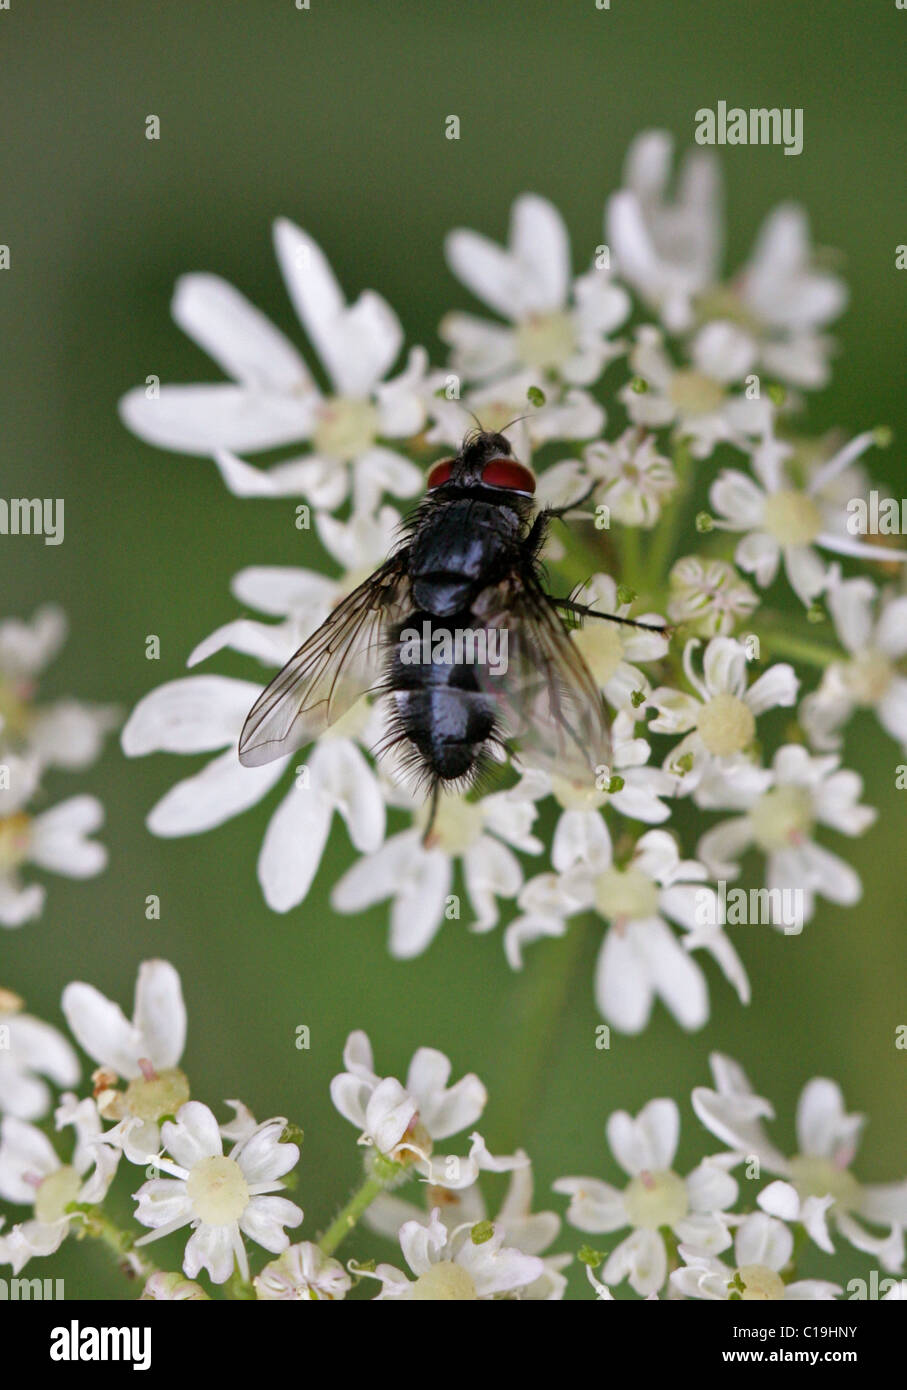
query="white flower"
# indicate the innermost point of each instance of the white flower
(418, 877)
(719, 721)
(827, 1140)
(56, 840)
(696, 400)
(786, 522)
(762, 1248)
(273, 400)
(223, 1197)
(631, 477)
(520, 1227)
(207, 713)
(30, 1049)
(611, 650)
(640, 959)
(709, 596)
(145, 1053)
(668, 251)
(402, 1123)
(31, 1174)
(553, 325)
(869, 678)
(465, 1264)
(64, 733)
(784, 301)
(804, 792)
(655, 1198)
(302, 1273)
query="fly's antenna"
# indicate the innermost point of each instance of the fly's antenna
(515, 421)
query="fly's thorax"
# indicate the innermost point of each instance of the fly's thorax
(465, 535)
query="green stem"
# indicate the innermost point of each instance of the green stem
(539, 1005)
(799, 648)
(631, 557)
(98, 1226)
(344, 1222)
(670, 525)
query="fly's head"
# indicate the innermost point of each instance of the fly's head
(485, 461)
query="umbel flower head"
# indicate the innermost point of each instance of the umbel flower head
(712, 362)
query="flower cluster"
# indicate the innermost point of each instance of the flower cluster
(38, 738)
(736, 1226)
(719, 373)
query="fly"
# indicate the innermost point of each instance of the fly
(458, 629)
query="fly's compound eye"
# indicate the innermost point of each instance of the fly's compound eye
(439, 474)
(503, 472)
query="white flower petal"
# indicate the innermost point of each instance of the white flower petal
(223, 789)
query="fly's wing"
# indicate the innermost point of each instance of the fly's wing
(546, 698)
(338, 663)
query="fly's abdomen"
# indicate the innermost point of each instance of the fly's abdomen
(442, 709)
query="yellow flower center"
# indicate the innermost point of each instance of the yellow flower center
(656, 1199)
(546, 340)
(760, 1284)
(694, 393)
(56, 1192)
(458, 824)
(781, 818)
(602, 649)
(626, 893)
(726, 725)
(722, 302)
(792, 518)
(15, 838)
(868, 676)
(819, 1177)
(444, 1281)
(346, 428)
(577, 796)
(149, 1100)
(218, 1191)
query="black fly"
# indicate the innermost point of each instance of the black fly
(456, 626)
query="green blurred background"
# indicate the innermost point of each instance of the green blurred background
(335, 117)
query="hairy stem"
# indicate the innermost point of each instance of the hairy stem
(97, 1225)
(346, 1219)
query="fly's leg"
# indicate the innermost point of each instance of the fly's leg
(558, 513)
(432, 813)
(583, 610)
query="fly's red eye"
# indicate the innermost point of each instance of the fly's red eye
(502, 472)
(439, 474)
